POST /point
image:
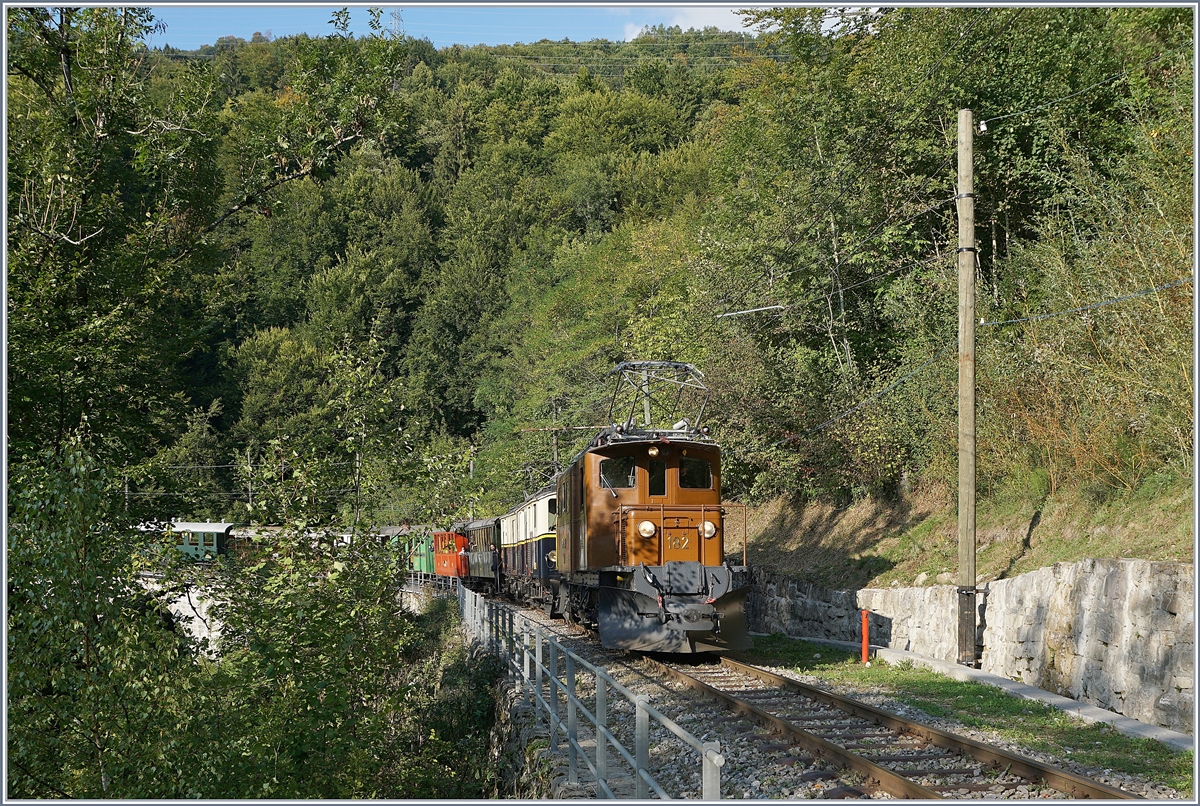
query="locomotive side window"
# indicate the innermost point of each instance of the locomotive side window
(618, 473)
(658, 478)
(695, 474)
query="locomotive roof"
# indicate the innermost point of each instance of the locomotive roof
(629, 435)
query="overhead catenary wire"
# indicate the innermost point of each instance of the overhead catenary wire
(868, 281)
(865, 401)
(256, 464)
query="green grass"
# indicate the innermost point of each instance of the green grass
(1031, 724)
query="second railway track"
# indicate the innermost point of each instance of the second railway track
(860, 750)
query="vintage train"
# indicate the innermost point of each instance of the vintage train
(630, 540)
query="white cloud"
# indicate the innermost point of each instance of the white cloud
(632, 29)
(698, 17)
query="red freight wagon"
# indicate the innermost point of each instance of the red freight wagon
(449, 554)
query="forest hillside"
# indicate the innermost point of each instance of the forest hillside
(380, 262)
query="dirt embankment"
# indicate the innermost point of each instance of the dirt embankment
(914, 540)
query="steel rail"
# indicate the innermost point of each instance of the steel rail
(1062, 780)
(888, 780)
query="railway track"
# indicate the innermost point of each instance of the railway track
(857, 750)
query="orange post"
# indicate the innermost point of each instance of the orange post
(866, 631)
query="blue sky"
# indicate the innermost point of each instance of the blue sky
(191, 26)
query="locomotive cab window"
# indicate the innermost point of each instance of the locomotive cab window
(695, 474)
(618, 473)
(658, 478)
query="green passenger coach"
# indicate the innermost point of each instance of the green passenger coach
(201, 541)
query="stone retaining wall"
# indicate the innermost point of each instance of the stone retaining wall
(1118, 634)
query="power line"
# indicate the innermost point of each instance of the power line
(1040, 317)
(943, 351)
(260, 464)
(865, 401)
(1101, 82)
(867, 281)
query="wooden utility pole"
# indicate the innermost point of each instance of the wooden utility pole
(966, 391)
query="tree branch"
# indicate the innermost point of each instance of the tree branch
(254, 195)
(37, 780)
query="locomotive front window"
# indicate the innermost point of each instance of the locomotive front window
(658, 478)
(618, 473)
(695, 474)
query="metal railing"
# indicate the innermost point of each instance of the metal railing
(533, 658)
(437, 586)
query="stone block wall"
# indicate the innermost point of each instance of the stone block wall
(1118, 634)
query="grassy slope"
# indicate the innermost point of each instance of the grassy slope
(879, 544)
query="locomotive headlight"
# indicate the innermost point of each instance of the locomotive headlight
(708, 529)
(652, 450)
(646, 529)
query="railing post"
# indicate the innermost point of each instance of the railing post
(490, 609)
(537, 634)
(525, 660)
(572, 726)
(512, 637)
(711, 775)
(601, 722)
(642, 733)
(508, 633)
(553, 665)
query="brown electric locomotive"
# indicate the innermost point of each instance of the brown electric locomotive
(641, 527)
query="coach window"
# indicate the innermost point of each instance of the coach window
(695, 474)
(208, 538)
(618, 472)
(658, 478)
(193, 539)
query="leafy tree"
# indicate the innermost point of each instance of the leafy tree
(105, 191)
(98, 704)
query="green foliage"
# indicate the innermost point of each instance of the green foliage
(105, 190)
(95, 705)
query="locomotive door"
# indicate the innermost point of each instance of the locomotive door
(678, 535)
(657, 497)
